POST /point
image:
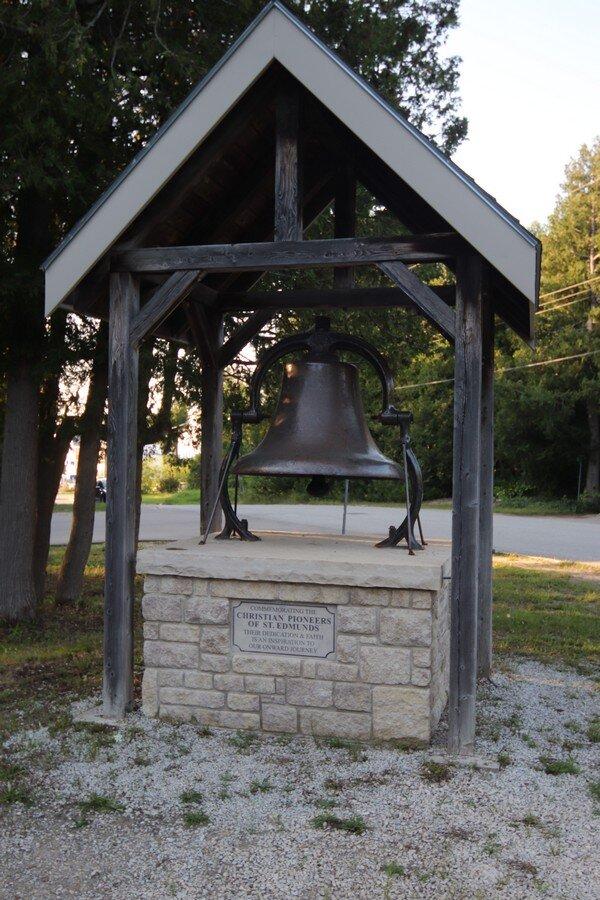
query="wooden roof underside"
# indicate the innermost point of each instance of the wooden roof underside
(224, 193)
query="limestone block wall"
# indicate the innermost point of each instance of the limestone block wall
(388, 678)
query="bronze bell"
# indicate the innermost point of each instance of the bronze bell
(319, 428)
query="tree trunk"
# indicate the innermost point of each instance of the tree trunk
(70, 581)
(592, 481)
(49, 474)
(18, 496)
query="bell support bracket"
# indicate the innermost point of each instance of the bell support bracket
(321, 342)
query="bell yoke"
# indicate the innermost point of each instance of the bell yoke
(319, 429)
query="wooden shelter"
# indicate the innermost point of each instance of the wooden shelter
(279, 130)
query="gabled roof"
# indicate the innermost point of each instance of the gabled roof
(277, 36)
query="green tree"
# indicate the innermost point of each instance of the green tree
(84, 84)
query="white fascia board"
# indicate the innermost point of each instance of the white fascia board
(447, 191)
(177, 142)
(277, 34)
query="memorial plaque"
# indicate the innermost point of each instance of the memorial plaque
(292, 629)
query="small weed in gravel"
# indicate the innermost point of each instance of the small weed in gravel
(527, 739)
(284, 739)
(204, 732)
(242, 740)
(15, 795)
(492, 846)
(575, 727)
(193, 819)
(436, 772)
(513, 722)
(101, 804)
(354, 749)
(333, 784)
(191, 797)
(141, 761)
(325, 803)
(10, 771)
(261, 787)
(354, 824)
(593, 731)
(594, 789)
(553, 766)
(393, 869)
(504, 759)
(531, 820)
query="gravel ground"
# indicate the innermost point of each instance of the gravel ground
(514, 833)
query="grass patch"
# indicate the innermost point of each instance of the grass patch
(243, 740)
(195, 819)
(435, 772)
(47, 663)
(15, 794)
(100, 804)
(593, 732)
(261, 787)
(504, 759)
(393, 870)
(553, 766)
(550, 615)
(353, 825)
(191, 797)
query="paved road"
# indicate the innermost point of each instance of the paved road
(561, 537)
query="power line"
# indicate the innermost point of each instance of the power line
(569, 286)
(544, 311)
(543, 362)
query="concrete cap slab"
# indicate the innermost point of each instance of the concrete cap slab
(303, 559)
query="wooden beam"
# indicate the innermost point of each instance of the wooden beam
(163, 301)
(242, 336)
(486, 491)
(237, 301)
(289, 254)
(466, 481)
(344, 219)
(199, 319)
(211, 421)
(121, 500)
(433, 308)
(288, 203)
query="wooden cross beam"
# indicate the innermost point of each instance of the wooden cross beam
(433, 307)
(164, 299)
(243, 335)
(317, 298)
(289, 254)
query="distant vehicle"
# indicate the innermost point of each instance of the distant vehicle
(101, 490)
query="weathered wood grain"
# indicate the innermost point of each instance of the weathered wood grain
(317, 298)
(121, 503)
(288, 254)
(466, 479)
(163, 301)
(211, 420)
(430, 304)
(486, 491)
(288, 203)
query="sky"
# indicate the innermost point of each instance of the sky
(530, 88)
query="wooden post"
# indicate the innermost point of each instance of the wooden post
(211, 421)
(465, 505)
(288, 202)
(345, 219)
(486, 491)
(120, 503)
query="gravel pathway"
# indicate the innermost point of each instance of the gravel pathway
(517, 833)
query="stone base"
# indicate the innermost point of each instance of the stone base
(385, 679)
